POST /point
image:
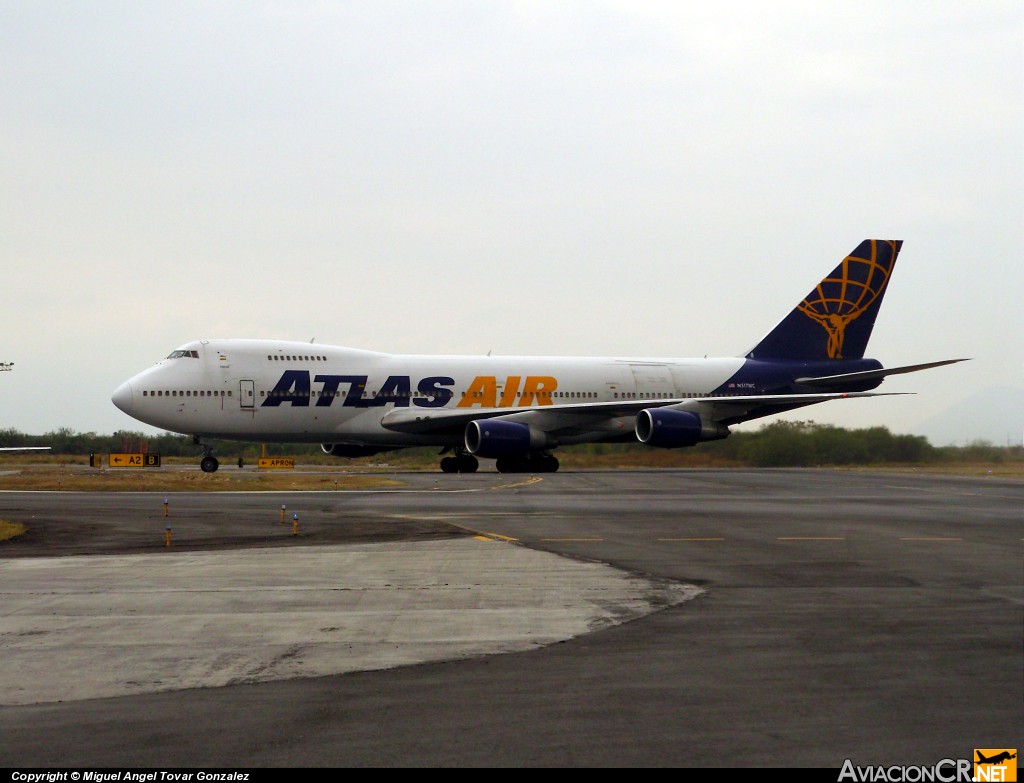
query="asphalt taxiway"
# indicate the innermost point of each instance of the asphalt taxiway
(698, 618)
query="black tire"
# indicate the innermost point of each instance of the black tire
(506, 465)
(468, 464)
(449, 465)
(209, 464)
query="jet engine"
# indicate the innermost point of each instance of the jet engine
(494, 438)
(672, 429)
(350, 450)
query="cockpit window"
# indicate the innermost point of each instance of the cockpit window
(184, 355)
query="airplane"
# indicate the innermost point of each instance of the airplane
(517, 409)
(996, 759)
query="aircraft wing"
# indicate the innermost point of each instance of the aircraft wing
(736, 410)
(550, 418)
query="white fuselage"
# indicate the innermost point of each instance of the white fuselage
(264, 390)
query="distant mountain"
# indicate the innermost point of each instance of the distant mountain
(995, 415)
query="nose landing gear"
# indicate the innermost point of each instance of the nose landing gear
(208, 463)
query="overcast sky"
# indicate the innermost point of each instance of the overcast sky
(596, 178)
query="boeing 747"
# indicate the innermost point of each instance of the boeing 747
(517, 409)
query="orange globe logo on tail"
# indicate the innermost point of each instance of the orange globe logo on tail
(840, 300)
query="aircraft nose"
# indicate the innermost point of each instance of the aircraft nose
(123, 397)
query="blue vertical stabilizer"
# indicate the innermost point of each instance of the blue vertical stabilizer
(834, 320)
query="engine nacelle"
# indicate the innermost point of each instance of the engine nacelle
(494, 438)
(350, 450)
(671, 429)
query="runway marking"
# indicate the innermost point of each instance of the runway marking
(479, 535)
(691, 539)
(457, 515)
(332, 492)
(531, 480)
(810, 538)
(495, 537)
(948, 492)
(929, 489)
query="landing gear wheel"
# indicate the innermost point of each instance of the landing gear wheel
(548, 464)
(506, 465)
(534, 463)
(515, 465)
(460, 463)
(209, 464)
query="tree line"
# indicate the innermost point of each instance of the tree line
(779, 444)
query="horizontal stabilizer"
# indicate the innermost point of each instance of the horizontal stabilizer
(866, 375)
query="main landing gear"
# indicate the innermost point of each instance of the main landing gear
(208, 463)
(460, 463)
(531, 463)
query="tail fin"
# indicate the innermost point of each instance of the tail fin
(834, 321)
